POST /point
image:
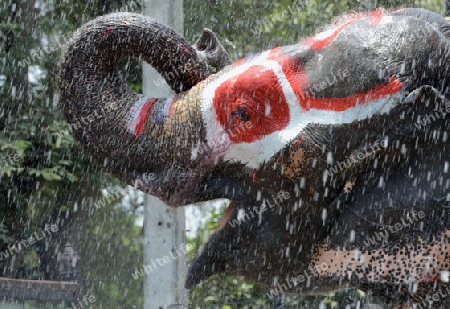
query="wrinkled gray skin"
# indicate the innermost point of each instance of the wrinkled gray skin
(264, 248)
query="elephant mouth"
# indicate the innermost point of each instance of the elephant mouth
(215, 255)
(232, 246)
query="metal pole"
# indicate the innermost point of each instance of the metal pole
(164, 227)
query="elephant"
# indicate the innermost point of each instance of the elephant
(333, 151)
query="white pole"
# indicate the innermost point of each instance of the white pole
(164, 227)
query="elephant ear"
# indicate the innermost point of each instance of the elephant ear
(209, 48)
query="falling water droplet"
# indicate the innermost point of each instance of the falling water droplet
(445, 275)
(324, 214)
(329, 157)
(381, 182)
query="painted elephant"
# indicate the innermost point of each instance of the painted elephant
(333, 151)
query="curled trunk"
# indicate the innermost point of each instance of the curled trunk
(117, 126)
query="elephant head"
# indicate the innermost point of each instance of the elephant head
(316, 145)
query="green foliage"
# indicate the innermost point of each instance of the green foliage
(4, 233)
(112, 252)
(42, 168)
(223, 291)
(136, 87)
(32, 130)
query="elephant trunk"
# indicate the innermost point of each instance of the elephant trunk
(131, 135)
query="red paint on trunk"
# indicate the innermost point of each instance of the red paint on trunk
(172, 104)
(143, 115)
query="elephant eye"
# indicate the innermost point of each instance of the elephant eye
(243, 114)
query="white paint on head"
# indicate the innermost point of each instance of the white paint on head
(254, 154)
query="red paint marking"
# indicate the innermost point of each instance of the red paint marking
(296, 76)
(429, 278)
(107, 32)
(172, 104)
(143, 115)
(239, 62)
(342, 104)
(255, 176)
(257, 89)
(225, 217)
(256, 93)
(299, 81)
(320, 43)
(275, 53)
(299, 142)
(375, 17)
